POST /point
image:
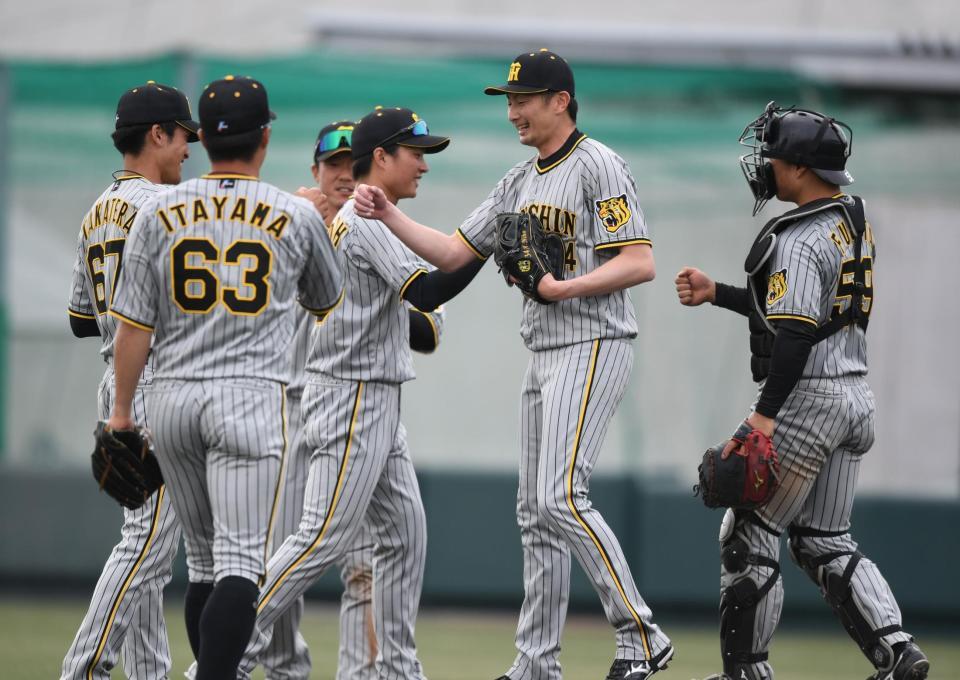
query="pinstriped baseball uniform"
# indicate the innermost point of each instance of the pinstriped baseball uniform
(213, 268)
(126, 609)
(360, 468)
(581, 361)
(823, 429)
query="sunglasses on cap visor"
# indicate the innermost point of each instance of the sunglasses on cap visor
(333, 140)
(418, 129)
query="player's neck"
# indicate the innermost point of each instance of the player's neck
(142, 165)
(375, 181)
(556, 140)
(234, 167)
(815, 193)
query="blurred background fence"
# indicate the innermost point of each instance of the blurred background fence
(676, 122)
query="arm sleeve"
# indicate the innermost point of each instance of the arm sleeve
(136, 298)
(791, 347)
(615, 213)
(374, 247)
(321, 284)
(478, 231)
(734, 298)
(426, 328)
(429, 291)
(83, 327)
(794, 278)
(80, 304)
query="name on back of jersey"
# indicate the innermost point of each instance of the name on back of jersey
(114, 211)
(224, 208)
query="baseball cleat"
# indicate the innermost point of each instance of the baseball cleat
(912, 664)
(627, 669)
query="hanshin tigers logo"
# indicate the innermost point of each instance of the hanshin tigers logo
(776, 286)
(613, 212)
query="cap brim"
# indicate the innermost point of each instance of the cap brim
(840, 178)
(191, 126)
(333, 152)
(513, 89)
(426, 143)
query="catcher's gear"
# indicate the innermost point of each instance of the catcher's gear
(799, 136)
(745, 479)
(124, 465)
(525, 253)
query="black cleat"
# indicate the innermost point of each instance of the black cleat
(626, 669)
(911, 664)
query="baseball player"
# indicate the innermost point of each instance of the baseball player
(214, 268)
(360, 466)
(808, 299)
(332, 171)
(581, 356)
(153, 129)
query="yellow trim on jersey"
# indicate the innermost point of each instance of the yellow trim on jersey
(470, 245)
(840, 195)
(227, 175)
(550, 167)
(130, 176)
(322, 314)
(338, 488)
(411, 279)
(573, 507)
(621, 244)
(126, 319)
(795, 317)
(278, 490)
(154, 523)
(81, 315)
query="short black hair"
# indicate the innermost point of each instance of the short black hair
(132, 139)
(572, 107)
(238, 147)
(361, 166)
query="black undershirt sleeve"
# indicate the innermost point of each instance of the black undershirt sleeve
(791, 347)
(429, 291)
(84, 328)
(422, 336)
(734, 298)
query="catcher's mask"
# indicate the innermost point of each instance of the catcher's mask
(799, 136)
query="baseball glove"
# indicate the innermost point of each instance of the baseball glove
(124, 465)
(746, 479)
(525, 253)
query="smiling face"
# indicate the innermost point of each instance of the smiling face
(537, 117)
(172, 151)
(335, 179)
(400, 173)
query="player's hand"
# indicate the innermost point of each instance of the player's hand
(121, 422)
(370, 202)
(550, 289)
(694, 287)
(755, 421)
(315, 196)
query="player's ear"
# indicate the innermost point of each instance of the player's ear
(202, 138)
(266, 138)
(561, 100)
(157, 134)
(315, 171)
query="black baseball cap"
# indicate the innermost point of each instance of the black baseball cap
(155, 103)
(333, 139)
(386, 127)
(233, 105)
(533, 72)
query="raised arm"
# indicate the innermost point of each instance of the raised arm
(446, 252)
(694, 288)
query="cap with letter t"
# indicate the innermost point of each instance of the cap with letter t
(234, 105)
(535, 72)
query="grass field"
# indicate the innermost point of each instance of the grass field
(460, 645)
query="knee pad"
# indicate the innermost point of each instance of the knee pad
(738, 605)
(836, 590)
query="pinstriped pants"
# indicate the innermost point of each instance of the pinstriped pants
(126, 610)
(221, 448)
(569, 396)
(360, 472)
(822, 432)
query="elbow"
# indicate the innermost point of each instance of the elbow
(646, 272)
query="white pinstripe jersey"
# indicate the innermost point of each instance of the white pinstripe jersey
(588, 196)
(100, 246)
(367, 337)
(804, 283)
(214, 265)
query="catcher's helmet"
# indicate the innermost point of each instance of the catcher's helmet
(799, 136)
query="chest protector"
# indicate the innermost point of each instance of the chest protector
(762, 332)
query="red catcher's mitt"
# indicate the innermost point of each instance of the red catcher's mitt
(746, 479)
